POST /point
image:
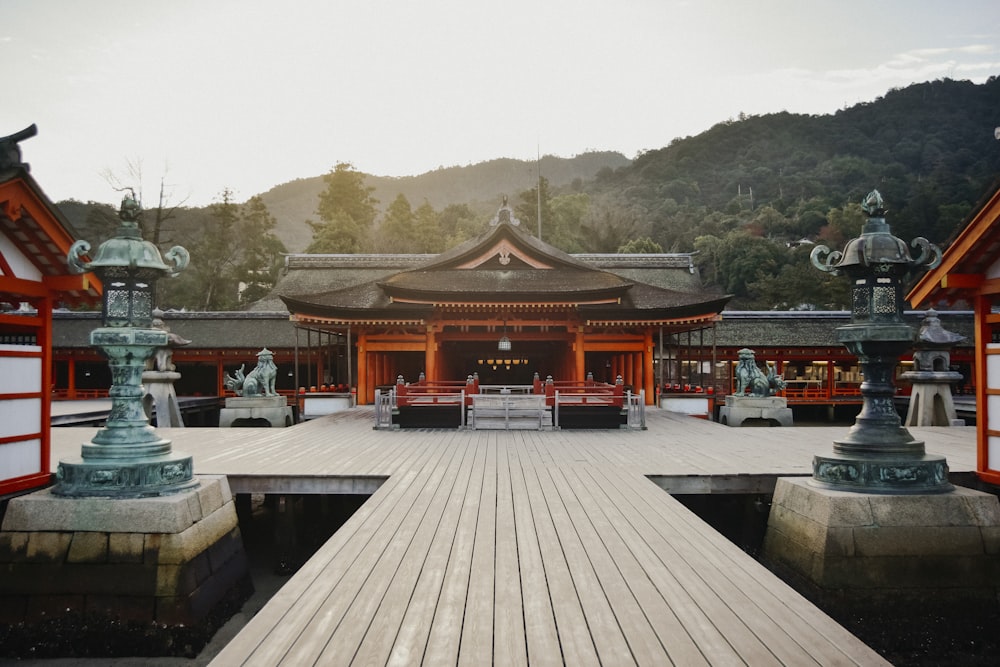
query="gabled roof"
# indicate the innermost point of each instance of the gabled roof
(965, 266)
(504, 266)
(39, 233)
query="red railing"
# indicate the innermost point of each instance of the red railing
(438, 392)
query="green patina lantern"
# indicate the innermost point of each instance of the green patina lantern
(127, 458)
(878, 455)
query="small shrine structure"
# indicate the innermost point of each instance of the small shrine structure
(931, 403)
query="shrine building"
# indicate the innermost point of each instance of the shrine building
(969, 273)
(504, 306)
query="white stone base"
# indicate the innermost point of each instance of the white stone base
(273, 409)
(738, 409)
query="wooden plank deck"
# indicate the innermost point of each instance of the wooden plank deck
(527, 547)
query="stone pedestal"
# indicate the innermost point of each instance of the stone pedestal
(772, 409)
(931, 403)
(160, 391)
(850, 548)
(251, 411)
(164, 561)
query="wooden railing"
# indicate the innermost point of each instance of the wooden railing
(588, 392)
(539, 401)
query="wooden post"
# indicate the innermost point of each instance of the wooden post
(430, 355)
(580, 370)
(363, 379)
(647, 362)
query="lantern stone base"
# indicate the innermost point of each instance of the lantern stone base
(162, 397)
(931, 403)
(771, 409)
(249, 411)
(846, 549)
(168, 561)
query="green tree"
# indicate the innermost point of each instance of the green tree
(234, 261)
(528, 207)
(563, 228)
(260, 257)
(427, 229)
(458, 223)
(606, 228)
(736, 260)
(642, 245)
(842, 224)
(346, 210)
(210, 281)
(339, 234)
(397, 233)
(798, 285)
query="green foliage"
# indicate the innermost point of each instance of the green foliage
(427, 236)
(739, 193)
(260, 257)
(643, 245)
(530, 203)
(797, 285)
(458, 223)
(346, 208)
(562, 229)
(737, 259)
(235, 260)
(397, 233)
(843, 224)
(605, 228)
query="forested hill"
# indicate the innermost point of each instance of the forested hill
(749, 195)
(929, 149)
(479, 185)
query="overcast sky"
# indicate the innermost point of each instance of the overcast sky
(248, 94)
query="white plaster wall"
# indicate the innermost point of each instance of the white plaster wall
(993, 403)
(19, 264)
(20, 458)
(20, 375)
(20, 416)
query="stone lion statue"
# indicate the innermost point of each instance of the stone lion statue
(749, 377)
(259, 381)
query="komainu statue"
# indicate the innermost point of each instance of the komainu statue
(259, 381)
(749, 377)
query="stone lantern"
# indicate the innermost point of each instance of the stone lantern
(127, 458)
(878, 455)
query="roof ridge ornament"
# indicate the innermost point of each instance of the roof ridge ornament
(505, 215)
(10, 151)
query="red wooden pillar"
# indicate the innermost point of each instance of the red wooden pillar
(430, 355)
(71, 378)
(648, 382)
(364, 380)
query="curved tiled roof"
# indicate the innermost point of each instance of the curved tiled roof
(505, 265)
(505, 285)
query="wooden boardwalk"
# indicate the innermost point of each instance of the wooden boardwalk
(527, 547)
